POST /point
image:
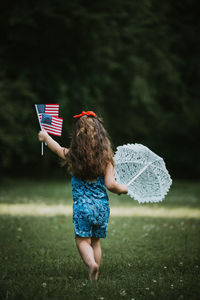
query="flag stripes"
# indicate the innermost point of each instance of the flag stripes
(52, 109)
(51, 124)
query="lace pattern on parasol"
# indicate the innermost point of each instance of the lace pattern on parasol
(143, 171)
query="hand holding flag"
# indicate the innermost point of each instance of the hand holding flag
(42, 135)
(48, 119)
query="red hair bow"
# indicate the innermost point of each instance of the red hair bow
(85, 113)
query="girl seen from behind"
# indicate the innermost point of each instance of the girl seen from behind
(90, 162)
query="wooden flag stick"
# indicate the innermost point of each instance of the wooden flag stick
(42, 144)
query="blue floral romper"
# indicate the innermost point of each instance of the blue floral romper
(91, 208)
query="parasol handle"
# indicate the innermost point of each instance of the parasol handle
(141, 171)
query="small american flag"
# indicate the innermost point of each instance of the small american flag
(51, 124)
(51, 109)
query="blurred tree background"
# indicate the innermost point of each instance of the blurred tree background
(135, 63)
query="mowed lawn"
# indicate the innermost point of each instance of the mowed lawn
(152, 251)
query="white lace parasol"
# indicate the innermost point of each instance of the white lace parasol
(143, 171)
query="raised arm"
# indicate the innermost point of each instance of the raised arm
(53, 145)
(111, 183)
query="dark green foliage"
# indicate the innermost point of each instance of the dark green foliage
(133, 62)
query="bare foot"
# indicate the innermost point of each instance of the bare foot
(96, 276)
(93, 271)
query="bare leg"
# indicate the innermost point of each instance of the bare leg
(86, 251)
(95, 243)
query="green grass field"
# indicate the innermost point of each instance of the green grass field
(152, 251)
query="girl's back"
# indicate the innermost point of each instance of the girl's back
(90, 149)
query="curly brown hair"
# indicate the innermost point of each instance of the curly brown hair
(90, 149)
